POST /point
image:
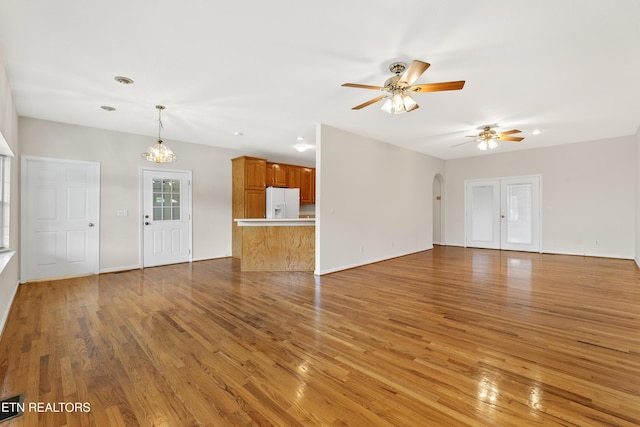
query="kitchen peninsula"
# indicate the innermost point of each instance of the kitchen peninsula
(277, 244)
(270, 244)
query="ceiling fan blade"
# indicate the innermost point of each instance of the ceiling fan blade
(412, 73)
(509, 132)
(437, 87)
(510, 138)
(366, 104)
(462, 143)
(362, 86)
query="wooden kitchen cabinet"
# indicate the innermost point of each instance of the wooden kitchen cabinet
(248, 195)
(277, 175)
(254, 173)
(255, 204)
(307, 185)
(248, 192)
(294, 176)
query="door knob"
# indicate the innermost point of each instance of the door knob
(91, 224)
(147, 223)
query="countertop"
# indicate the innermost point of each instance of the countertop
(276, 222)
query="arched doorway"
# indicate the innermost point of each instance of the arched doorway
(438, 210)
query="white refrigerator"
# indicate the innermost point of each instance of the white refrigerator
(283, 202)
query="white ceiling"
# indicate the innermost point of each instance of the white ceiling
(273, 69)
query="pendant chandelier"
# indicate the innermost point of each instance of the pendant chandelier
(159, 153)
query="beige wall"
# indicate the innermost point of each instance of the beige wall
(588, 194)
(9, 127)
(120, 164)
(637, 248)
(373, 200)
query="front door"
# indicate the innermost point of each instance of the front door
(166, 221)
(503, 213)
(60, 211)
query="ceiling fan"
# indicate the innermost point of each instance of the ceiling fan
(487, 137)
(400, 86)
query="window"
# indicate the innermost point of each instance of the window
(166, 199)
(5, 192)
(4, 201)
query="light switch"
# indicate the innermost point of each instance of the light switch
(122, 213)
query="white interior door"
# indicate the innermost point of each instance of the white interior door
(520, 218)
(166, 221)
(483, 214)
(503, 213)
(60, 211)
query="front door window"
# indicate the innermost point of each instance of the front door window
(166, 199)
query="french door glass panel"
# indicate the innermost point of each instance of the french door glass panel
(483, 224)
(482, 220)
(520, 222)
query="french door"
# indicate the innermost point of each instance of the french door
(503, 213)
(166, 222)
(60, 211)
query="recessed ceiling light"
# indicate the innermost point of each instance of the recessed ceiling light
(238, 133)
(301, 147)
(536, 132)
(123, 80)
(300, 138)
(107, 108)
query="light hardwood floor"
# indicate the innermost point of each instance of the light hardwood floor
(445, 337)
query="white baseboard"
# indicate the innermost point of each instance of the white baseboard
(116, 269)
(5, 315)
(600, 255)
(211, 258)
(590, 255)
(138, 266)
(369, 261)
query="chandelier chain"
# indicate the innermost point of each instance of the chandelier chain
(159, 122)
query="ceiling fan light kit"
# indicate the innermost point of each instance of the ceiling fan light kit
(398, 99)
(488, 138)
(490, 144)
(399, 103)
